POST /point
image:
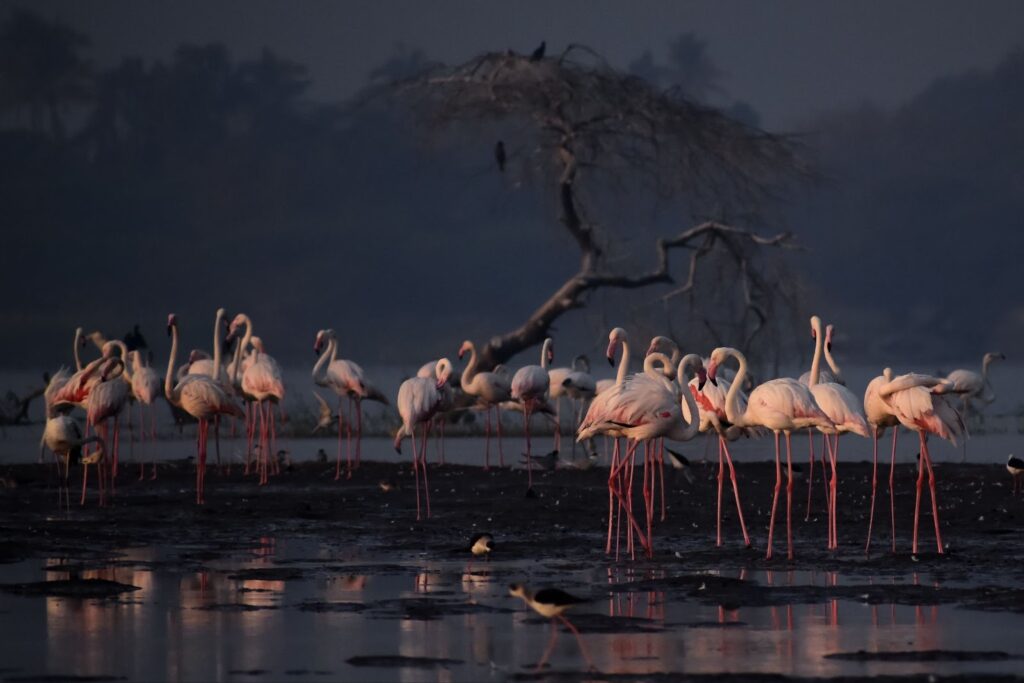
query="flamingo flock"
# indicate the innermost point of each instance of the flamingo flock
(676, 397)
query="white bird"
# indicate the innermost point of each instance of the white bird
(973, 387)
(530, 388)
(419, 399)
(491, 390)
(145, 385)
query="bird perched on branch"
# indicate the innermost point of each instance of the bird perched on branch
(538, 54)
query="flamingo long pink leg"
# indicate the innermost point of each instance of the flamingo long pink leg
(348, 440)
(789, 496)
(337, 463)
(775, 498)
(874, 486)
(423, 466)
(892, 491)
(117, 443)
(935, 502)
(721, 480)
(416, 471)
(359, 432)
(611, 495)
(501, 448)
(529, 457)
(250, 422)
(152, 434)
(487, 436)
(736, 492)
(810, 472)
(142, 438)
(835, 493)
(661, 474)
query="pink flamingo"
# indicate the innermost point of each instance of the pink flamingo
(710, 400)
(346, 379)
(880, 417)
(200, 396)
(918, 403)
(263, 381)
(419, 399)
(843, 410)
(145, 384)
(491, 389)
(530, 388)
(973, 386)
(780, 405)
(448, 397)
(106, 400)
(646, 407)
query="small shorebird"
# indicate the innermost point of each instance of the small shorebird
(1015, 466)
(481, 544)
(551, 603)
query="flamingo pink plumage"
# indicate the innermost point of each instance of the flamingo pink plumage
(780, 405)
(530, 387)
(491, 389)
(264, 382)
(145, 384)
(419, 399)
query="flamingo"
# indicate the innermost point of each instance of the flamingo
(491, 389)
(75, 391)
(264, 382)
(843, 410)
(106, 401)
(831, 376)
(780, 405)
(573, 382)
(448, 398)
(530, 387)
(918, 403)
(346, 379)
(145, 384)
(63, 436)
(645, 408)
(200, 396)
(972, 386)
(880, 416)
(419, 399)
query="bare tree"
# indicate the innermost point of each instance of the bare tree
(594, 127)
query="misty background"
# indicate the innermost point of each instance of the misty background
(159, 157)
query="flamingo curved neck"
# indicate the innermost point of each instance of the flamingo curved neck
(623, 364)
(544, 353)
(687, 400)
(320, 369)
(656, 358)
(819, 344)
(168, 379)
(247, 337)
(78, 340)
(216, 343)
(469, 372)
(123, 348)
(833, 366)
(732, 399)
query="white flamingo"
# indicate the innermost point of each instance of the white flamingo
(973, 387)
(880, 416)
(145, 384)
(419, 399)
(491, 389)
(200, 396)
(63, 436)
(781, 405)
(530, 388)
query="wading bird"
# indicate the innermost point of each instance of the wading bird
(552, 604)
(530, 388)
(419, 398)
(491, 389)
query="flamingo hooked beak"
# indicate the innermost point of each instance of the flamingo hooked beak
(610, 353)
(712, 371)
(172, 320)
(702, 376)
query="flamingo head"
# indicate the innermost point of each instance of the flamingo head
(615, 337)
(467, 346)
(257, 343)
(109, 367)
(717, 358)
(828, 337)
(172, 321)
(442, 371)
(80, 333)
(237, 322)
(318, 343)
(993, 355)
(815, 326)
(551, 352)
(661, 344)
(702, 378)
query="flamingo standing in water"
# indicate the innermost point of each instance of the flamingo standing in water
(346, 379)
(200, 396)
(919, 404)
(880, 416)
(972, 386)
(145, 383)
(419, 399)
(562, 386)
(448, 398)
(530, 388)
(780, 405)
(63, 436)
(264, 382)
(843, 410)
(106, 401)
(710, 400)
(491, 389)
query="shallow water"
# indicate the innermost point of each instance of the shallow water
(334, 603)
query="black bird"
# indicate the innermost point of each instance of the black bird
(500, 156)
(551, 603)
(538, 54)
(679, 462)
(134, 340)
(1015, 466)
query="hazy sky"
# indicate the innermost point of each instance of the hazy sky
(789, 59)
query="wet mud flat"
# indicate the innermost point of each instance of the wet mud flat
(248, 537)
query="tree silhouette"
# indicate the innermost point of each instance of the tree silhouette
(593, 128)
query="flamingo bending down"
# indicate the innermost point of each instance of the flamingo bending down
(145, 384)
(491, 389)
(200, 396)
(448, 398)
(419, 399)
(263, 381)
(106, 401)
(918, 403)
(972, 386)
(843, 410)
(63, 436)
(880, 416)
(530, 387)
(780, 405)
